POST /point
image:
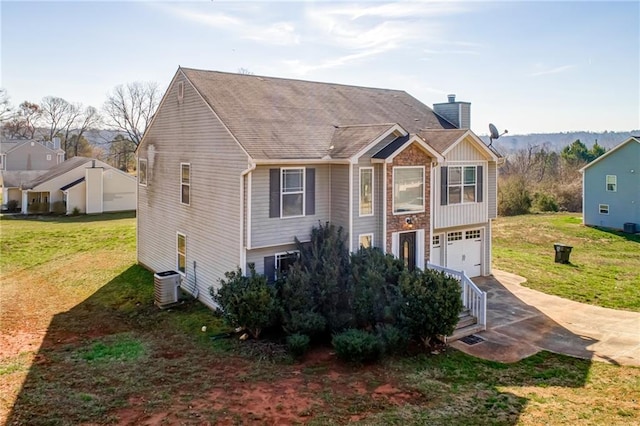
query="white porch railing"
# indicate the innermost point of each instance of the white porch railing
(473, 299)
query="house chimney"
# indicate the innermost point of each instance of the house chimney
(455, 112)
(56, 143)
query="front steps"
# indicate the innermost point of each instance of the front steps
(467, 325)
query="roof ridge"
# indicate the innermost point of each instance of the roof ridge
(291, 79)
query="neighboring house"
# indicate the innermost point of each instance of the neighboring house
(611, 187)
(85, 184)
(22, 161)
(234, 167)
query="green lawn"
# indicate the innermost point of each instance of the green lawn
(104, 354)
(604, 268)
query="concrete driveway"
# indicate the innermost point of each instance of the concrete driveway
(521, 322)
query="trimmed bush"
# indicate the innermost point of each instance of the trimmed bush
(12, 206)
(38, 207)
(298, 344)
(394, 340)
(59, 207)
(374, 283)
(298, 306)
(325, 264)
(356, 346)
(431, 304)
(246, 301)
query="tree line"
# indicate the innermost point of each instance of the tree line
(127, 111)
(537, 178)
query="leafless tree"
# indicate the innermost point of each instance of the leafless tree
(22, 124)
(5, 106)
(130, 108)
(87, 120)
(59, 115)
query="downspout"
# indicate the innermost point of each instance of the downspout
(243, 245)
(384, 207)
(350, 207)
(431, 209)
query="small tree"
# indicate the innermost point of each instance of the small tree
(376, 297)
(298, 303)
(246, 301)
(431, 304)
(325, 261)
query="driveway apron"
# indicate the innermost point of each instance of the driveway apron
(522, 321)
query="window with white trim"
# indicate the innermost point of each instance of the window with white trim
(435, 241)
(185, 183)
(454, 236)
(181, 251)
(292, 192)
(48, 157)
(366, 191)
(603, 208)
(142, 171)
(408, 189)
(285, 260)
(612, 183)
(472, 235)
(365, 240)
(462, 184)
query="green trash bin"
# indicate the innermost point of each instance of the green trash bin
(562, 252)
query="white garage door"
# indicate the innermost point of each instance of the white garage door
(464, 251)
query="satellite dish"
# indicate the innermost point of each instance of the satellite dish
(493, 130)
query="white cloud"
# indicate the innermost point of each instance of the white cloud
(276, 33)
(555, 70)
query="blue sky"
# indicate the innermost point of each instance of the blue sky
(526, 66)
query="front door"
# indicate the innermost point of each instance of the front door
(407, 242)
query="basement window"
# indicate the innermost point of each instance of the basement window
(603, 208)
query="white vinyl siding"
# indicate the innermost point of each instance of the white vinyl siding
(366, 191)
(408, 189)
(142, 171)
(191, 133)
(612, 183)
(185, 183)
(269, 231)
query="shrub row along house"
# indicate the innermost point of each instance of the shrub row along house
(234, 167)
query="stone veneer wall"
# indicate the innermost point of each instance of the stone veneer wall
(411, 156)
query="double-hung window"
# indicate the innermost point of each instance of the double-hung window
(366, 191)
(182, 253)
(408, 189)
(461, 184)
(185, 183)
(292, 192)
(142, 171)
(612, 183)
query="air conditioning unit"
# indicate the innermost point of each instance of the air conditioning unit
(630, 228)
(166, 288)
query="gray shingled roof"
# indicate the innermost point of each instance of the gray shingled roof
(16, 178)
(440, 140)
(57, 170)
(275, 118)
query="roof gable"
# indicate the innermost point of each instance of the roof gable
(389, 152)
(444, 141)
(274, 118)
(611, 151)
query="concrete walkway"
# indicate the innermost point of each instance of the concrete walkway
(521, 322)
